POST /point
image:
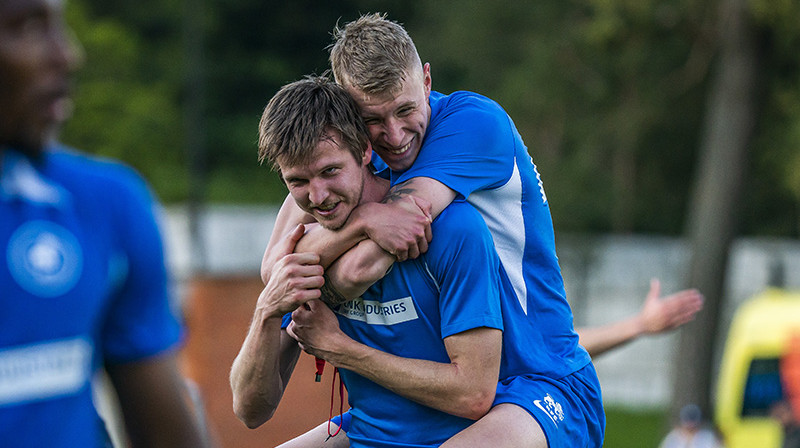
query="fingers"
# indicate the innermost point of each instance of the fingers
(683, 306)
(401, 255)
(287, 245)
(303, 258)
(413, 251)
(423, 244)
(655, 288)
(423, 205)
(295, 279)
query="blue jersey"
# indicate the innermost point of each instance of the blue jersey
(82, 283)
(408, 313)
(472, 146)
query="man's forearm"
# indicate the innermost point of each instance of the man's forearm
(356, 270)
(331, 244)
(463, 387)
(600, 339)
(261, 370)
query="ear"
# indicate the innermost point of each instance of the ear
(426, 79)
(367, 154)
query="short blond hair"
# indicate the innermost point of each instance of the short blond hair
(373, 54)
(302, 114)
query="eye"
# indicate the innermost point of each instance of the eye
(371, 121)
(31, 26)
(330, 171)
(295, 182)
(405, 111)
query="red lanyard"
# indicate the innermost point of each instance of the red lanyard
(341, 403)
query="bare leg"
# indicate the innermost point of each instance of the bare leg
(506, 425)
(318, 438)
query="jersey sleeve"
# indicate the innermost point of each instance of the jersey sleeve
(466, 268)
(469, 145)
(141, 319)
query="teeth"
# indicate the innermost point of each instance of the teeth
(401, 150)
(326, 207)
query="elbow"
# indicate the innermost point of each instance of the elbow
(252, 416)
(354, 278)
(252, 407)
(476, 404)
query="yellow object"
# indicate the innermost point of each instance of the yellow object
(749, 380)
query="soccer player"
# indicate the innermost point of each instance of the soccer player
(424, 342)
(442, 147)
(392, 334)
(83, 283)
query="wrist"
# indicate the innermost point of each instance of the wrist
(359, 218)
(267, 314)
(639, 327)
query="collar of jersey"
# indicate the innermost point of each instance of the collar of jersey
(19, 179)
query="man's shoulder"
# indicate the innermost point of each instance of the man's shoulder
(83, 170)
(459, 220)
(480, 116)
(73, 161)
(464, 100)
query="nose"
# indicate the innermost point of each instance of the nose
(75, 53)
(65, 49)
(317, 192)
(393, 129)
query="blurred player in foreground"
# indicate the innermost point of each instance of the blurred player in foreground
(83, 284)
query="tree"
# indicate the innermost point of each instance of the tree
(731, 115)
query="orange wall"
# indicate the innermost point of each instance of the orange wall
(218, 312)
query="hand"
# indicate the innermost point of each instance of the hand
(316, 329)
(658, 315)
(294, 278)
(401, 227)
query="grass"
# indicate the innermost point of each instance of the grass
(627, 428)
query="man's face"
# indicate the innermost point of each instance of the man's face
(329, 187)
(36, 59)
(397, 124)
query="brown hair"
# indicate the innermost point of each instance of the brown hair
(302, 114)
(373, 54)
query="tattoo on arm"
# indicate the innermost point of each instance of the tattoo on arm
(330, 295)
(403, 189)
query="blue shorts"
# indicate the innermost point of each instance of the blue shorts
(342, 421)
(569, 409)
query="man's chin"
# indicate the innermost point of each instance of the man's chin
(31, 150)
(334, 224)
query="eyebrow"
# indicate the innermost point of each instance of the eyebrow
(14, 11)
(368, 114)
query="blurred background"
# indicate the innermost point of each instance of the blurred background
(666, 132)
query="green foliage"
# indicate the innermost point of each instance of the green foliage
(609, 95)
(593, 88)
(122, 110)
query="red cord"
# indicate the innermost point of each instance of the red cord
(320, 367)
(341, 403)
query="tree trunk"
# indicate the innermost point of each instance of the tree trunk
(731, 114)
(194, 125)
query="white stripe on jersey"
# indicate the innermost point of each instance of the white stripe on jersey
(501, 208)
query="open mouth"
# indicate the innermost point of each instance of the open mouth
(402, 150)
(57, 103)
(326, 210)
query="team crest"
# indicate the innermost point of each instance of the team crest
(44, 258)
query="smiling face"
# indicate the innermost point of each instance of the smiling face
(36, 59)
(331, 185)
(397, 122)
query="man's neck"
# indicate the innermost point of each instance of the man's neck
(375, 188)
(33, 152)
